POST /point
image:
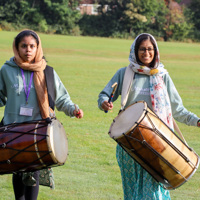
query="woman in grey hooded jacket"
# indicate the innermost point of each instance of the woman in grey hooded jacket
(23, 92)
(146, 80)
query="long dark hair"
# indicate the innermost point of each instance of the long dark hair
(23, 34)
(139, 40)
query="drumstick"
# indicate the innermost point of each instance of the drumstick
(114, 86)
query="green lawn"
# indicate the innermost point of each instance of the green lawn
(85, 65)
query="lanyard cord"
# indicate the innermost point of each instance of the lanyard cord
(27, 92)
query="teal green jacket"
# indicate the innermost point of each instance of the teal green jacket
(12, 94)
(140, 92)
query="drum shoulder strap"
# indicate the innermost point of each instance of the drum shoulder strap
(126, 86)
(49, 76)
(127, 82)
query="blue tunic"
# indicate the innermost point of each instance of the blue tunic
(138, 184)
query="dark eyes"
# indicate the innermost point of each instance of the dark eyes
(149, 49)
(25, 46)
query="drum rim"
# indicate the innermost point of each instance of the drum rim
(134, 125)
(51, 152)
(193, 172)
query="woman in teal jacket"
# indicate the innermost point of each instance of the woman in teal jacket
(146, 80)
(23, 92)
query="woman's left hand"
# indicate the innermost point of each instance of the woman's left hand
(78, 114)
(198, 123)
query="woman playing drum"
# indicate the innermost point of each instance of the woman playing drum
(23, 91)
(146, 80)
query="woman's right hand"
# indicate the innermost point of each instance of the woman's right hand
(198, 123)
(107, 106)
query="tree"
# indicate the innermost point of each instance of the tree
(150, 18)
(195, 11)
(136, 16)
(177, 27)
(60, 15)
(13, 11)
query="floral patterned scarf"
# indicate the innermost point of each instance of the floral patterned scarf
(158, 91)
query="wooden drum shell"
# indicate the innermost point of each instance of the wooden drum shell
(32, 146)
(157, 148)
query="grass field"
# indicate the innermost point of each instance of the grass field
(85, 65)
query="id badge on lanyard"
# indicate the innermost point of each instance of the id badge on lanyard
(26, 110)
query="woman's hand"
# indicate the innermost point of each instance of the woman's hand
(198, 123)
(78, 114)
(107, 106)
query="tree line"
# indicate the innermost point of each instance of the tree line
(116, 18)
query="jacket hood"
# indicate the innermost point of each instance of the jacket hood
(11, 62)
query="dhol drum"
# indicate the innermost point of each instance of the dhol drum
(32, 146)
(148, 140)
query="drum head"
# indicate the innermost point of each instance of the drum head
(127, 119)
(57, 142)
